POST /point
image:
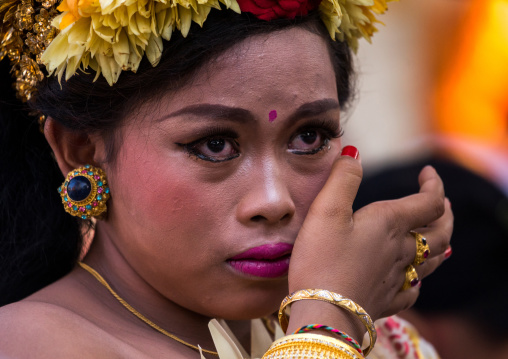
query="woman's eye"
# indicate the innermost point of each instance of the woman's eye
(308, 142)
(214, 149)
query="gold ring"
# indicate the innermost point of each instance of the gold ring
(422, 248)
(411, 278)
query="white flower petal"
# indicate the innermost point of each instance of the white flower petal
(186, 20)
(121, 50)
(199, 16)
(154, 50)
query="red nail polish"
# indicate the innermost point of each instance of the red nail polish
(448, 252)
(350, 151)
(419, 284)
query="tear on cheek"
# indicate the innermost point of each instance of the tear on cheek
(272, 116)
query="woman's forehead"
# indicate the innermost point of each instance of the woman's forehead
(283, 50)
(283, 69)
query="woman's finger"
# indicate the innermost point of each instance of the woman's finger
(401, 301)
(404, 299)
(439, 232)
(420, 209)
(429, 266)
(335, 200)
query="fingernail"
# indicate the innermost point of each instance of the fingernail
(350, 151)
(448, 253)
(419, 284)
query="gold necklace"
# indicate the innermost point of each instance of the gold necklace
(138, 314)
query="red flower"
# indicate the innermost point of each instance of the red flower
(276, 9)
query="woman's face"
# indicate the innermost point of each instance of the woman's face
(212, 183)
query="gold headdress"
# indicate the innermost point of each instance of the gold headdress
(111, 36)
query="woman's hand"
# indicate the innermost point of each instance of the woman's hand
(364, 255)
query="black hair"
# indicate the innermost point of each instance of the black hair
(39, 242)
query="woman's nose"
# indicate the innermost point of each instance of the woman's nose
(267, 197)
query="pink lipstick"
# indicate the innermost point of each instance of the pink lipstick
(267, 261)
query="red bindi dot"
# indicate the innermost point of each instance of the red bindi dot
(272, 115)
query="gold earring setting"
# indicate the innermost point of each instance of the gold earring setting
(85, 192)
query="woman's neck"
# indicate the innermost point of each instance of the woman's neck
(104, 257)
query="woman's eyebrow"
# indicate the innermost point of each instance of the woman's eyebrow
(314, 108)
(237, 114)
(213, 111)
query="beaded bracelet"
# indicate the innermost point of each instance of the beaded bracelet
(308, 328)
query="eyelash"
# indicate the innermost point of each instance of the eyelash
(328, 129)
(216, 133)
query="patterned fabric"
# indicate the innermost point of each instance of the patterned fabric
(397, 339)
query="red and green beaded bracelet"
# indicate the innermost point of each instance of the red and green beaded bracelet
(349, 339)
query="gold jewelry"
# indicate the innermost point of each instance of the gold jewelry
(303, 346)
(422, 248)
(138, 314)
(411, 278)
(335, 299)
(25, 32)
(85, 192)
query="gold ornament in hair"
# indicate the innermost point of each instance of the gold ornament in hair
(25, 32)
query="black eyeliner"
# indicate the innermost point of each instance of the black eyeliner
(330, 128)
(208, 134)
(211, 132)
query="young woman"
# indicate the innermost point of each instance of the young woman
(227, 187)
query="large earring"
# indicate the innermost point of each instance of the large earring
(85, 192)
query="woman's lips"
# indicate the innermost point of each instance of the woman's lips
(267, 261)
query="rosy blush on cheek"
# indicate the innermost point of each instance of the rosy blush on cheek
(154, 197)
(170, 202)
(272, 116)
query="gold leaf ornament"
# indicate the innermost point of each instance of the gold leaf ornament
(25, 31)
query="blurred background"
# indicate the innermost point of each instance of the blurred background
(435, 79)
(433, 89)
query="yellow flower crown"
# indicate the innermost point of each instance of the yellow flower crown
(111, 36)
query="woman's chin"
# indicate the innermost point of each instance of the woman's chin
(248, 305)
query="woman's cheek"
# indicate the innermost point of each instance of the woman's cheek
(307, 187)
(168, 202)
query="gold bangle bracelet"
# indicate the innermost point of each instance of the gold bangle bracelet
(305, 346)
(332, 298)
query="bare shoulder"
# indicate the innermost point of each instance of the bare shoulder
(30, 329)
